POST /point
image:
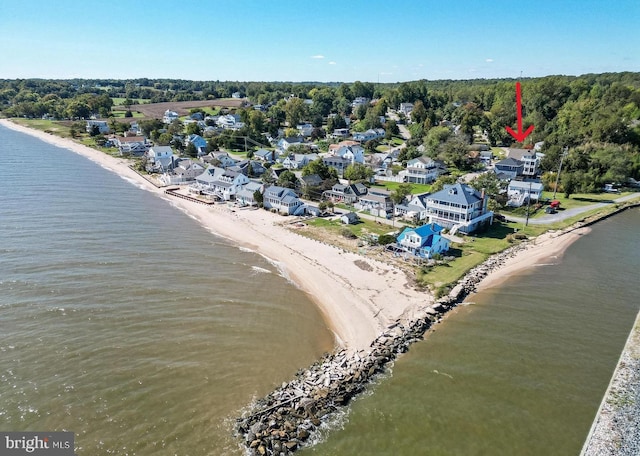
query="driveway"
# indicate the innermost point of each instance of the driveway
(568, 213)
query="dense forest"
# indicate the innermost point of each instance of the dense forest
(595, 118)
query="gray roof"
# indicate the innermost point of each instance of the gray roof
(510, 162)
(458, 194)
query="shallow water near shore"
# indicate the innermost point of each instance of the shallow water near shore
(520, 370)
(126, 322)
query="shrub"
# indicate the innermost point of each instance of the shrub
(346, 232)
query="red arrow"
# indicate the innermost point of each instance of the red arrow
(520, 136)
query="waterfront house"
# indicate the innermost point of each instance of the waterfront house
(424, 241)
(101, 125)
(282, 200)
(246, 195)
(521, 191)
(219, 182)
(159, 159)
(131, 145)
(458, 207)
(181, 171)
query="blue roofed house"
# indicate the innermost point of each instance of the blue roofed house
(424, 241)
(458, 207)
(199, 142)
(510, 167)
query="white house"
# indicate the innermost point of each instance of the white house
(415, 208)
(102, 125)
(423, 170)
(230, 122)
(298, 161)
(246, 195)
(131, 145)
(373, 133)
(182, 171)
(353, 153)
(284, 200)
(406, 108)
(305, 129)
(458, 207)
(159, 159)
(220, 182)
(519, 191)
(530, 160)
(169, 116)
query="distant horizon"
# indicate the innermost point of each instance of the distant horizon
(523, 78)
(332, 41)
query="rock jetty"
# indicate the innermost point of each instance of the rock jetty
(285, 420)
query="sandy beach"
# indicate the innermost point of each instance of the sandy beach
(358, 296)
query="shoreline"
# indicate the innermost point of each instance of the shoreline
(359, 297)
(360, 306)
(371, 308)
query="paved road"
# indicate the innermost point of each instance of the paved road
(568, 213)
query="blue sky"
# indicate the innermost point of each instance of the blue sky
(347, 40)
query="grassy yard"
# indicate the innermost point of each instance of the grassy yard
(55, 127)
(391, 186)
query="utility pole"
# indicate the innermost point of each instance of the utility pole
(526, 223)
(555, 188)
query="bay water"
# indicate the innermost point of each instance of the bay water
(126, 322)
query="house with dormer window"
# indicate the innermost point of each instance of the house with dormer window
(283, 200)
(458, 207)
(424, 241)
(220, 182)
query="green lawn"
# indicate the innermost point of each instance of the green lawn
(117, 101)
(391, 186)
(120, 114)
(360, 229)
(49, 126)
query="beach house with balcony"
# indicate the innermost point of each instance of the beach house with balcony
(283, 200)
(459, 207)
(423, 170)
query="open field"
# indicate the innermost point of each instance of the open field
(156, 110)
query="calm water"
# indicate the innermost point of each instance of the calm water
(521, 371)
(123, 320)
(126, 322)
